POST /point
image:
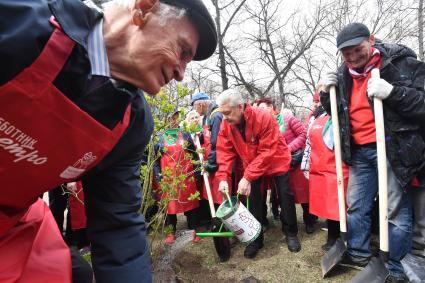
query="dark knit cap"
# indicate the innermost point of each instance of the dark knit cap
(198, 14)
(351, 35)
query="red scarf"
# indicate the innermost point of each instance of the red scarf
(373, 62)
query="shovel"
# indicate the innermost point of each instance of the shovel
(220, 237)
(334, 256)
(376, 271)
(413, 266)
(414, 262)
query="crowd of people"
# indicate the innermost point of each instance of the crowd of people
(73, 112)
(255, 147)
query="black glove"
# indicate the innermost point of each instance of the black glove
(297, 156)
(211, 167)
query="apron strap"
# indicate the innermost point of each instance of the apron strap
(55, 53)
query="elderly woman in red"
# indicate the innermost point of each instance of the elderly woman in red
(318, 164)
(176, 162)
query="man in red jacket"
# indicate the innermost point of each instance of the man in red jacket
(253, 135)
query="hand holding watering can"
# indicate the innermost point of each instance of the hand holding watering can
(223, 187)
(244, 187)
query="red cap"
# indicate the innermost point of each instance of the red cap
(316, 97)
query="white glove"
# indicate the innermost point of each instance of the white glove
(379, 88)
(306, 174)
(329, 79)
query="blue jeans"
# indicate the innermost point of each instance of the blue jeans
(362, 190)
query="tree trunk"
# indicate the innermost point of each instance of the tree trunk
(421, 29)
(221, 55)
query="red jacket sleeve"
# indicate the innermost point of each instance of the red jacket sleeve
(266, 149)
(226, 154)
(300, 133)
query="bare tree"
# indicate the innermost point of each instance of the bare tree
(231, 8)
(270, 48)
(421, 29)
(282, 43)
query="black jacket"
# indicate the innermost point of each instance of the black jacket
(112, 188)
(404, 111)
(213, 119)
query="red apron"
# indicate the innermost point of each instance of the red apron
(323, 185)
(45, 141)
(33, 250)
(217, 198)
(298, 184)
(77, 209)
(175, 155)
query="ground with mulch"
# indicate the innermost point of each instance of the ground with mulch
(274, 263)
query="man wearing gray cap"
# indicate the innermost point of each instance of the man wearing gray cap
(401, 88)
(72, 108)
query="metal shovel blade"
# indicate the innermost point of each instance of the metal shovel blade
(334, 256)
(222, 245)
(414, 267)
(374, 272)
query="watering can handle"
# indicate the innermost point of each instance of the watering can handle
(247, 200)
(230, 200)
(237, 197)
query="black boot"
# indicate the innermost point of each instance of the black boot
(329, 243)
(293, 243)
(309, 228)
(252, 249)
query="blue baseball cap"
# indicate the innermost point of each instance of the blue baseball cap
(199, 96)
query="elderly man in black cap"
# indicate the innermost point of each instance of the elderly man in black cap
(401, 87)
(72, 107)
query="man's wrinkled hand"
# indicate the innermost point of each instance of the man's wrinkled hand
(244, 187)
(223, 187)
(379, 88)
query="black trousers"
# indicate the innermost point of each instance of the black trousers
(309, 219)
(333, 229)
(288, 215)
(58, 202)
(81, 269)
(191, 216)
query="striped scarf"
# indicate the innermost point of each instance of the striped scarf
(373, 62)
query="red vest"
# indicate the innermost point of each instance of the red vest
(77, 209)
(214, 182)
(173, 156)
(361, 116)
(45, 140)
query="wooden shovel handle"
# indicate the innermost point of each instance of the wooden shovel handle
(382, 169)
(338, 161)
(205, 175)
